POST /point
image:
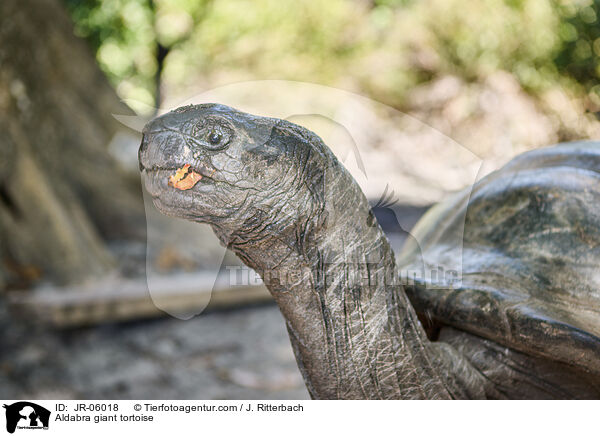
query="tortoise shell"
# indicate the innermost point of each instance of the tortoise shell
(516, 258)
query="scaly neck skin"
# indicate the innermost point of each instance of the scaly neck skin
(353, 330)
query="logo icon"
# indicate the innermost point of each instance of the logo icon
(26, 415)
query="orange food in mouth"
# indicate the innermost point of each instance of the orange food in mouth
(184, 178)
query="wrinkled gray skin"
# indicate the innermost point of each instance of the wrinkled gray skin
(275, 195)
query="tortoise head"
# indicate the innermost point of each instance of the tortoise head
(211, 163)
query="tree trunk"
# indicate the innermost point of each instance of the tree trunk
(62, 196)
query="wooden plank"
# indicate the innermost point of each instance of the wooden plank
(123, 300)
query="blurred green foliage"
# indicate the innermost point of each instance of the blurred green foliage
(380, 47)
(121, 32)
(579, 54)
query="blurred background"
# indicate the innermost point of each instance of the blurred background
(457, 83)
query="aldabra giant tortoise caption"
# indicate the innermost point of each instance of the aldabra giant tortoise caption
(521, 319)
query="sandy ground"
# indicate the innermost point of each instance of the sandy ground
(241, 354)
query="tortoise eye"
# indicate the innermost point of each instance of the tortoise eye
(214, 137)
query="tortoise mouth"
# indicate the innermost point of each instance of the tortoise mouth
(162, 181)
(199, 203)
(184, 178)
(204, 170)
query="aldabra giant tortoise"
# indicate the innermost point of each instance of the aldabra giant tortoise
(521, 319)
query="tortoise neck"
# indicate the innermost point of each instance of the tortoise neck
(352, 328)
